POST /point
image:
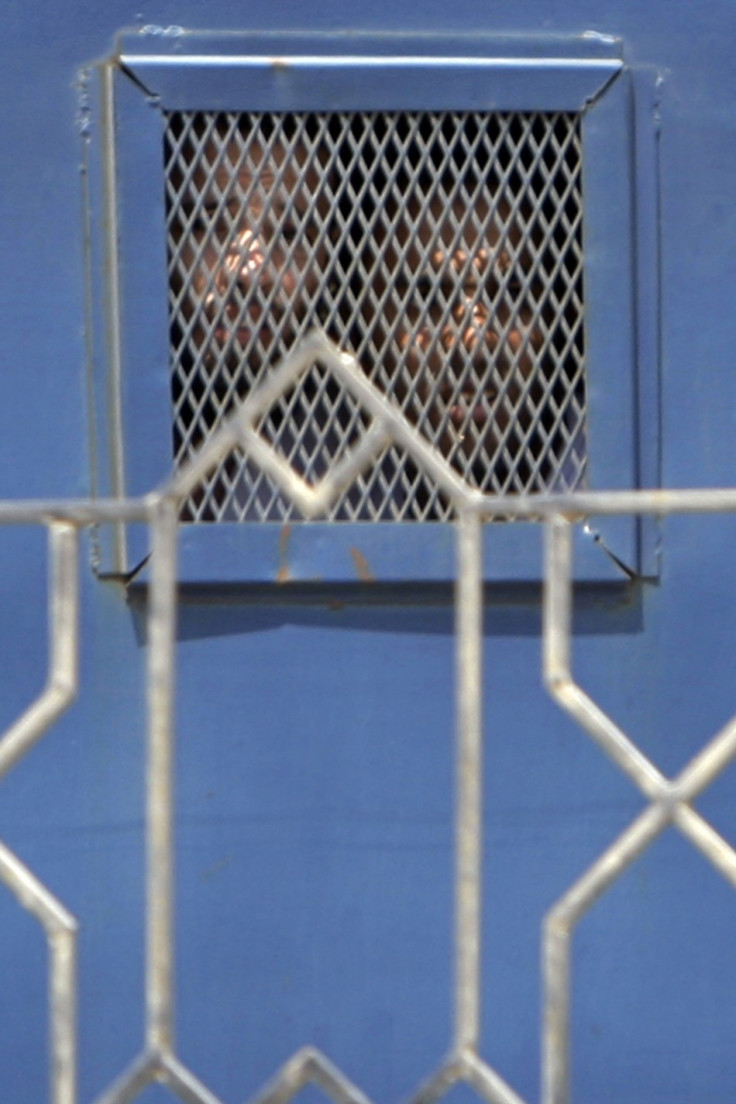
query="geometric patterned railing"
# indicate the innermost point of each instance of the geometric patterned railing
(669, 800)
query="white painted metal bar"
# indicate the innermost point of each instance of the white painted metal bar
(159, 779)
(469, 810)
(59, 693)
(310, 1066)
(61, 935)
(113, 313)
(63, 1019)
(62, 677)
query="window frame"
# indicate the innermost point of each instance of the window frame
(155, 71)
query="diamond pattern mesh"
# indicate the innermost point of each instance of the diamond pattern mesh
(444, 249)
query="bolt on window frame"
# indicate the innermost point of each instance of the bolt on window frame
(130, 400)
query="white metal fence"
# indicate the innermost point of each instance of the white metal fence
(669, 800)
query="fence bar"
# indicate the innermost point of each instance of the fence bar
(159, 778)
(557, 614)
(78, 511)
(575, 506)
(557, 610)
(61, 933)
(63, 1018)
(62, 678)
(559, 925)
(469, 815)
(113, 313)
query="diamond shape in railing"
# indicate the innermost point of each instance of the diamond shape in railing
(161, 1069)
(310, 1067)
(314, 379)
(466, 1068)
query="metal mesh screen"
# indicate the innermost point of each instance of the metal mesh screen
(444, 249)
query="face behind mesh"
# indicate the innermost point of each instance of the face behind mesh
(443, 249)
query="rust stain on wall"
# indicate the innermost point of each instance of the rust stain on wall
(362, 566)
(283, 574)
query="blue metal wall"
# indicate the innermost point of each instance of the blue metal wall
(315, 750)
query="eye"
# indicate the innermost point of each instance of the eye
(306, 232)
(289, 231)
(206, 215)
(423, 293)
(198, 222)
(424, 287)
(515, 287)
(431, 294)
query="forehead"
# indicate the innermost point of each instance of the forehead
(265, 172)
(438, 228)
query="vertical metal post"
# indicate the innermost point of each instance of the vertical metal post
(61, 934)
(62, 927)
(159, 781)
(469, 814)
(62, 678)
(64, 608)
(112, 267)
(63, 1002)
(557, 623)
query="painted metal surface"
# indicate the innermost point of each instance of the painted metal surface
(314, 769)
